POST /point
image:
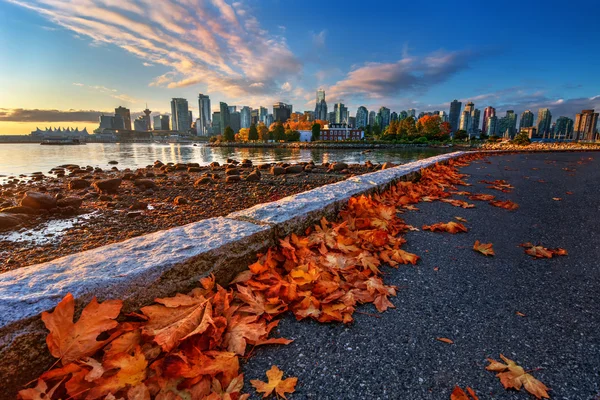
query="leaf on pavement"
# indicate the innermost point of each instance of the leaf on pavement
(506, 204)
(459, 394)
(484, 248)
(276, 383)
(445, 340)
(513, 376)
(450, 227)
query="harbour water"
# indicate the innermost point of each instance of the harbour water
(16, 159)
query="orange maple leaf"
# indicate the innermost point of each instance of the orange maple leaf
(507, 204)
(450, 227)
(482, 197)
(281, 387)
(39, 392)
(484, 248)
(513, 376)
(70, 341)
(459, 394)
(131, 371)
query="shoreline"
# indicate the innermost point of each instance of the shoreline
(333, 145)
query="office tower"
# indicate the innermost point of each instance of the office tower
(224, 117)
(488, 112)
(263, 114)
(216, 123)
(544, 122)
(585, 125)
(321, 106)
(191, 118)
(563, 128)
(492, 126)
(140, 124)
(235, 121)
(126, 115)
(309, 115)
(269, 120)
(331, 117)
(384, 117)
(245, 117)
(372, 116)
(394, 116)
(403, 115)
(475, 116)
(232, 109)
(465, 121)
(161, 122)
(362, 117)
(180, 115)
(320, 95)
(454, 115)
(282, 112)
(443, 116)
(411, 112)
(254, 117)
(507, 125)
(203, 114)
(341, 113)
(526, 120)
(469, 107)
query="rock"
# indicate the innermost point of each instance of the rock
(308, 168)
(180, 167)
(294, 169)
(388, 165)
(9, 221)
(145, 183)
(74, 202)
(20, 210)
(277, 170)
(105, 198)
(107, 185)
(193, 165)
(232, 178)
(39, 201)
(253, 177)
(128, 176)
(231, 161)
(214, 164)
(204, 181)
(139, 205)
(150, 174)
(113, 162)
(339, 166)
(134, 214)
(194, 169)
(180, 200)
(232, 171)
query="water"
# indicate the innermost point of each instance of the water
(16, 159)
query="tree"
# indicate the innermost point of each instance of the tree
(263, 132)
(228, 136)
(429, 126)
(445, 129)
(522, 139)
(242, 135)
(278, 132)
(376, 130)
(368, 131)
(253, 133)
(408, 127)
(460, 135)
(316, 132)
(292, 135)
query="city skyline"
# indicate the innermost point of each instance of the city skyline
(73, 73)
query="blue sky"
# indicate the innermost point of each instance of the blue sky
(94, 55)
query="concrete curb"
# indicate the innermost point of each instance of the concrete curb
(161, 264)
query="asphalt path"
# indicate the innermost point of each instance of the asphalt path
(472, 299)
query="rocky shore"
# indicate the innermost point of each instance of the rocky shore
(74, 208)
(324, 145)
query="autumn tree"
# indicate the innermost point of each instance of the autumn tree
(407, 127)
(292, 135)
(460, 135)
(445, 129)
(229, 136)
(316, 132)
(278, 131)
(263, 132)
(429, 126)
(243, 135)
(253, 133)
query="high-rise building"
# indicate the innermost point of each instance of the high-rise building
(394, 116)
(180, 115)
(465, 121)
(362, 117)
(232, 109)
(146, 117)
(544, 122)
(492, 126)
(384, 114)
(331, 117)
(475, 116)
(488, 112)
(262, 115)
(443, 116)
(563, 128)
(351, 122)
(161, 123)
(526, 120)
(585, 126)
(191, 118)
(403, 115)
(411, 112)
(454, 115)
(372, 116)
(203, 114)
(309, 115)
(269, 120)
(245, 117)
(140, 124)
(254, 117)
(216, 123)
(126, 115)
(341, 113)
(469, 106)
(235, 121)
(282, 111)
(507, 125)
(224, 117)
(321, 106)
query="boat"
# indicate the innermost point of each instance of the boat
(61, 142)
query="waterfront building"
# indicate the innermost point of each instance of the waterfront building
(321, 106)
(443, 116)
(191, 118)
(488, 112)
(563, 129)
(585, 127)
(465, 121)
(216, 123)
(262, 115)
(146, 117)
(544, 122)
(224, 117)
(203, 114)
(362, 117)
(384, 115)
(61, 133)
(335, 132)
(530, 131)
(161, 123)
(180, 115)
(372, 116)
(454, 115)
(491, 128)
(245, 117)
(352, 122)
(403, 115)
(254, 116)
(140, 124)
(126, 115)
(475, 116)
(526, 119)
(235, 121)
(507, 125)
(269, 119)
(282, 111)
(394, 116)
(341, 113)
(411, 112)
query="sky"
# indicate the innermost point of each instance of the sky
(65, 62)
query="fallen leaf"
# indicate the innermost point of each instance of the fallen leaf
(484, 248)
(520, 314)
(275, 382)
(556, 199)
(507, 204)
(450, 227)
(513, 376)
(459, 394)
(445, 340)
(461, 219)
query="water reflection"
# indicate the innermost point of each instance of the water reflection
(27, 158)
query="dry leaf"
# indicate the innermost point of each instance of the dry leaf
(281, 387)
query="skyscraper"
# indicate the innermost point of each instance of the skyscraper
(126, 115)
(384, 115)
(180, 115)
(362, 117)
(394, 116)
(526, 120)
(262, 115)
(544, 122)
(403, 115)
(411, 112)
(161, 122)
(487, 114)
(507, 125)
(321, 105)
(341, 113)
(469, 107)
(204, 113)
(372, 115)
(563, 128)
(465, 121)
(475, 116)
(224, 117)
(245, 117)
(454, 115)
(282, 111)
(235, 120)
(492, 126)
(585, 125)
(191, 118)
(216, 123)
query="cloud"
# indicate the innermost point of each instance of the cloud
(409, 74)
(286, 87)
(213, 42)
(37, 115)
(318, 39)
(114, 93)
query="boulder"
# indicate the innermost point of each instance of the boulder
(193, 165)
(253, 177)
(277, 170)
(232, 178)
(194, 169)
(145, 183)
(214, 164)
(232, 171)
(107, 185)
(339, 166)
(39, 201)
(74, 202)
(204, 181)
(264, 166)
(180, 201)
(20, 210)
(294, 169)
(113, 162)
(9, 221)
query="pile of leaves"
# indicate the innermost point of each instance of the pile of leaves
(189, 345)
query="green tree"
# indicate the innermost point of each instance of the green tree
(408, 127)
(292, 135)
(376, 131)
(460, 135)
(316, 132)
(253, 134)
(279, 132)
(368, 131)
(229, 136)
(522, 139)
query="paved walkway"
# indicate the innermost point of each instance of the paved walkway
(472, 299)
